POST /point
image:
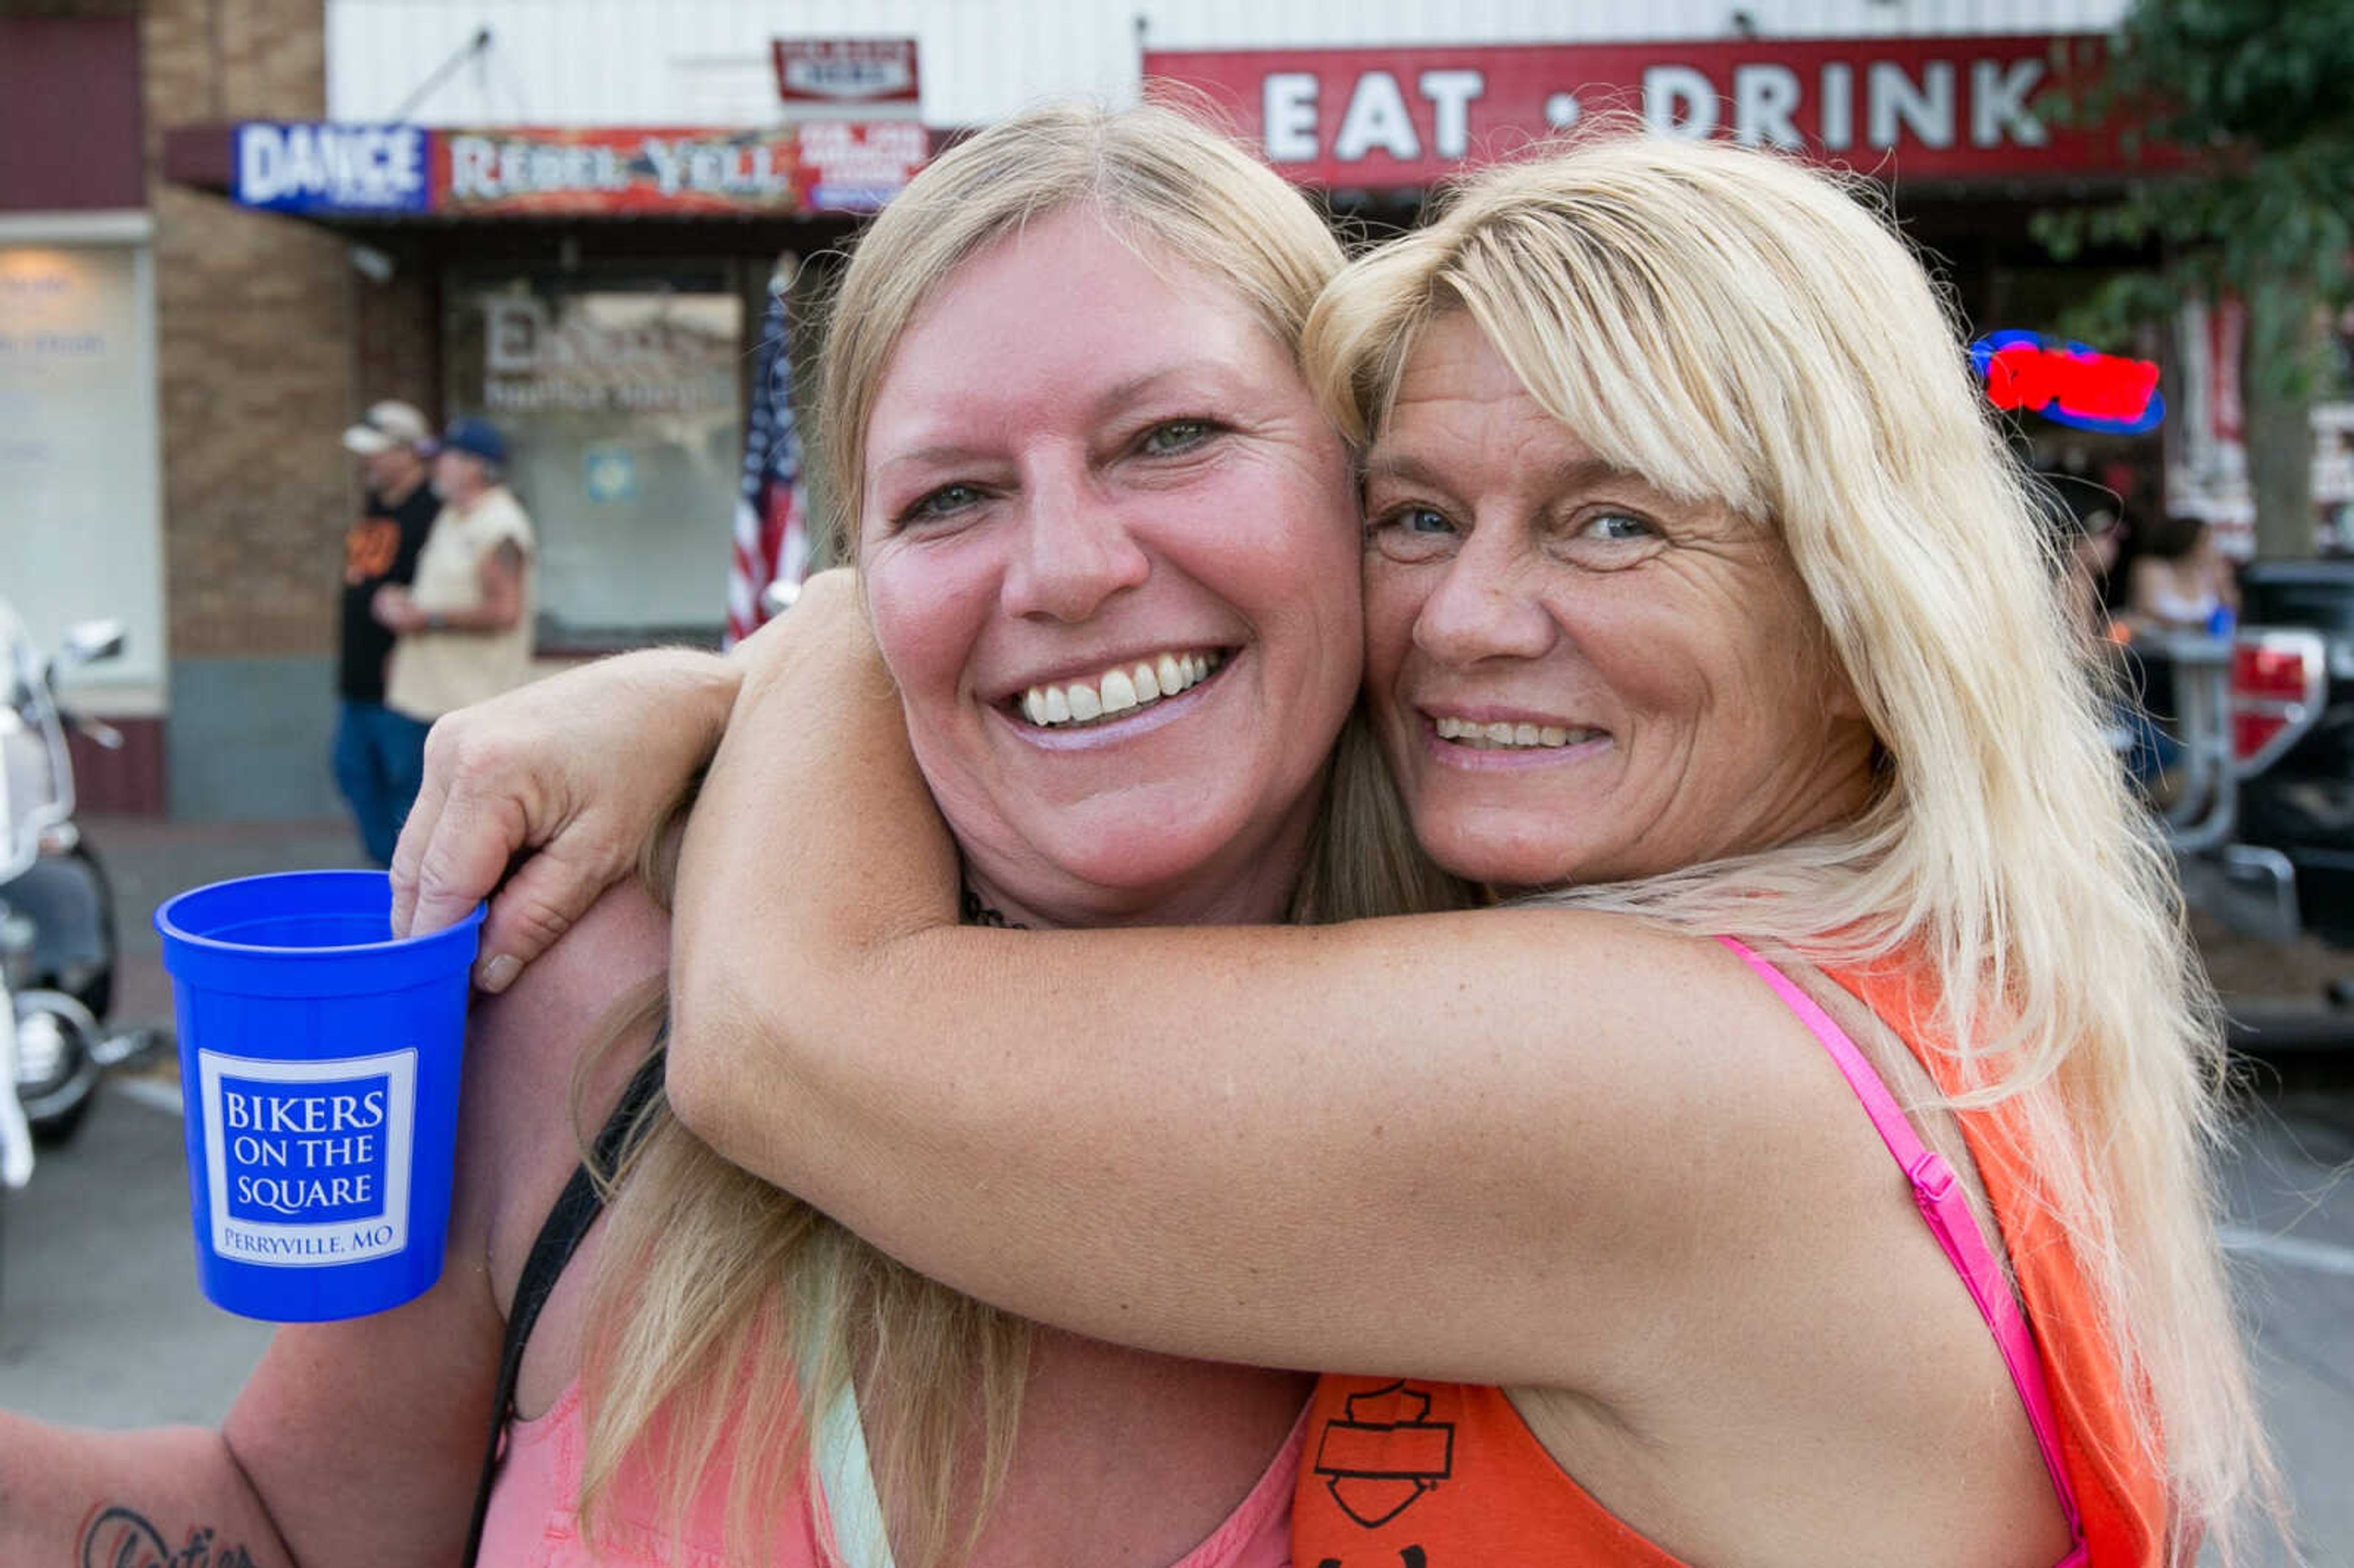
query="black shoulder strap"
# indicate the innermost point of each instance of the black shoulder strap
(559, 1238)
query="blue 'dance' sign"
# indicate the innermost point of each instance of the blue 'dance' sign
(309, 167)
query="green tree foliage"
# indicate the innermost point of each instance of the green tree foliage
(2240, 114)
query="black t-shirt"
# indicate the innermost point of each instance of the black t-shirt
(380, 548)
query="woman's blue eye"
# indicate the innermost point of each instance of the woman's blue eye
(940, 503)
(1422, 520)
(1175, 436)
(1616, 527)
(1411, 534)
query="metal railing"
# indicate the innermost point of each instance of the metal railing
(2249, 887)
(2203, 808)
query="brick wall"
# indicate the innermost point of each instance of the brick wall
(397, 330)
(254, 349)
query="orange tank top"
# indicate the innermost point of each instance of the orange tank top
(1403, 1473)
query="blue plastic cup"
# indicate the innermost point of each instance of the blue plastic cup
(319, 1061)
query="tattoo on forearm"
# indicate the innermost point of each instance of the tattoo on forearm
(120, 1537)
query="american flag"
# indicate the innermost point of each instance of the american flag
(771, 523)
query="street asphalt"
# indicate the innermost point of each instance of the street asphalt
(102, 1323)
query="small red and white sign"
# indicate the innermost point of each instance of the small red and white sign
(856, 167)
(872, 79)
(1400, 118)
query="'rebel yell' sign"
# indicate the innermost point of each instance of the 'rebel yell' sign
(328, 168)
(308, 1162)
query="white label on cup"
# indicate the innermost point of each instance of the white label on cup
(307, 1162)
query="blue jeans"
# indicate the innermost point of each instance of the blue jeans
(379, 765)
(2144, 744)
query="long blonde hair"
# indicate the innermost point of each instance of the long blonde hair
(707, 1272)
(1738, 328)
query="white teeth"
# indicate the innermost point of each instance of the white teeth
(1484, 736)
(1117, 691)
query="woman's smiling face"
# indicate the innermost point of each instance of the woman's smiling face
(1110, 548)
(1577, 678)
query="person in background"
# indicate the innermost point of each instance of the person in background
(2178, 579)
(2089, 527)
(463, 630)
(393, 444)
(2086, 522)
(2092, 558)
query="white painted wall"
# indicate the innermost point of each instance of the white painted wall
(80, 534)
(706, 62)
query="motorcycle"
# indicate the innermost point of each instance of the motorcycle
(57, 934)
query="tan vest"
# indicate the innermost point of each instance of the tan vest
(433, 672)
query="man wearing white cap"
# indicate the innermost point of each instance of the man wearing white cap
(393, 443)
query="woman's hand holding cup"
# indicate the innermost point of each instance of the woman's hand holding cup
(572, 772)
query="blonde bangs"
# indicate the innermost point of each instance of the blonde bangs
(1596, 350)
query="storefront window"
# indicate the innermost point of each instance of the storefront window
(621, 397)
(78, 532)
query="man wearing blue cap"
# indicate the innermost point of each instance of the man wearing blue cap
(464, 627)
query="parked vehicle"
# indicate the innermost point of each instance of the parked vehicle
(57, 929)
(2241, 702)
(2301, 803)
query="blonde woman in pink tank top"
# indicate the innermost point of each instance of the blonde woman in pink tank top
(1073, 446)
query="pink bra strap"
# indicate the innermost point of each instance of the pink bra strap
(1947, 1208)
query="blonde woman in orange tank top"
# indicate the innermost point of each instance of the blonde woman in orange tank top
(1804, 1162)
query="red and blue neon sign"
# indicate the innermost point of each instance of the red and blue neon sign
(2068, 383)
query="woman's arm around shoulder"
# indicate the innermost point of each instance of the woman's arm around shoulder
(1483, 1145)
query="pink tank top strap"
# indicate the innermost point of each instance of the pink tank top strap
(1946, 1206)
